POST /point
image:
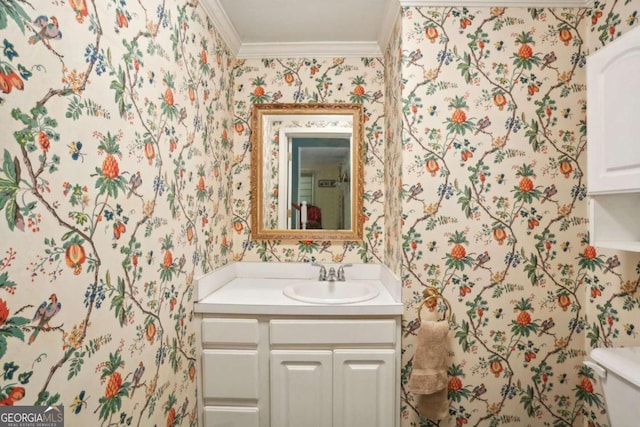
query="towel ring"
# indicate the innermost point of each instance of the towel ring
(431, 294)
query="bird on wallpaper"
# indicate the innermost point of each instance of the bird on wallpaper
(377, 95)
(48, 30)
(482, 124)
(185, 406)
(44, 314)
(611, 263)
(478, 391)
(134, 182)
(376, 195)
(137, 376)
(549, 192)
(481, 259)
(415, 55)
(415, 190)
(412, 326)
(548, 59)
(276, 96)
(546, 325)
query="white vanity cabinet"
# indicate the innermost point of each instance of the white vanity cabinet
(229, 372)
(348, 379)
(275, 371)
(613, 141)
(265, 359)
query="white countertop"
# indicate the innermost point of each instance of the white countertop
(228, 291)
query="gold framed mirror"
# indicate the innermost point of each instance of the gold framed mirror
(307, 172)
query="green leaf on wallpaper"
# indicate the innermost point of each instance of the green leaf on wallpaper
(66, 235)
(528, 400)
(14, 11)
(465, 201)
(75, 366)
(5, 282)
(74, 109)
(39, 110)
(12, 331)
(462, 334)
(3, 346)
(119, 87)
(530, 267)
(465, 67)
(594, 335)
(17, 114)
(46, 399)
(7, 190)
(9, 166)
(10, 212)
(117, 302)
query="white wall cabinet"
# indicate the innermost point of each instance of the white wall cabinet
(311, 372)
(613, 136)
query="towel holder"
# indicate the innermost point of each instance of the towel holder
(432, 294)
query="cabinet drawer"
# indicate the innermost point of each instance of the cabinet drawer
(229, 331)
(333, 331)
(230, 416)
(230, 374)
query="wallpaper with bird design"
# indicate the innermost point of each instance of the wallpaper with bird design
(123, 177)
(114, 116)
(494, 210)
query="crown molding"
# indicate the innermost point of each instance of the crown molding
(502, 3)
(389, 19)
(223, 24)
(315, 50)
(228, 32)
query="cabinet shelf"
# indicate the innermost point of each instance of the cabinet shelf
(615, 221)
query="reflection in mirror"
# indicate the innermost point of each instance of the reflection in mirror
(306, 171)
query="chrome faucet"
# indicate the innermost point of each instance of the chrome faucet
(322, 276)
(332, 275)
(341, 272)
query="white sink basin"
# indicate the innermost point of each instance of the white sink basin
(317, 292)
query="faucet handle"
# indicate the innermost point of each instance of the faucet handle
(341, 272)
(323, 271)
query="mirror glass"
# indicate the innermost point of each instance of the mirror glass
(306, 171)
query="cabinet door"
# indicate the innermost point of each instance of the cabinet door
(228, 416)
(613, 102)
(230, 374)
(364, 388)
(301, 388)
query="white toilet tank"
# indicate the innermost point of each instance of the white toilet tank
(619, 369)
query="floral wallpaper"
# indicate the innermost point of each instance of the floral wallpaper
(393, 152)
(310, 80)
(494, 210)
(125, 170)
(117, 122)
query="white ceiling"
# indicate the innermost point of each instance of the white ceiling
(294, 28)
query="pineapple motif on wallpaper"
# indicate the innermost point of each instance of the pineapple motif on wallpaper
(494, 210)
(113, 115)
(123, 170)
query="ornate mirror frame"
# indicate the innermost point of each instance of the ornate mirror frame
(261, 113)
